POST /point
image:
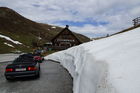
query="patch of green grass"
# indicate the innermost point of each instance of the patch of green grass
(4, 48)
(7, 49)
(23, 38)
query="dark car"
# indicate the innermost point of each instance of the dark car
(36, 57)
(27, 55)
(22, 67)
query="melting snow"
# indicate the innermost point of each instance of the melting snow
(9, 44)
(53, 27)
(110, 65)
(9, 39)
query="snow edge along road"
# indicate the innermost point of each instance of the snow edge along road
(77, 61)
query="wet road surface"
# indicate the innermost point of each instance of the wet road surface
(53, 79)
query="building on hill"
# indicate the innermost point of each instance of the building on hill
(136, 21)
(63, 40)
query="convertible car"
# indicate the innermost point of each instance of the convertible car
(22, 67)
(36, 57)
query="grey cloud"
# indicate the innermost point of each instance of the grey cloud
(118, 13)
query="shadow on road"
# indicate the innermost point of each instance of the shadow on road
(23, 79)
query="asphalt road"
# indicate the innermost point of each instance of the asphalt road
(54, 79)
(8, 57)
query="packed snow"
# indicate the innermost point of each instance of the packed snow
(39, 38)
(54, 27)
(9, 45)
(9, 39)
(110, 65)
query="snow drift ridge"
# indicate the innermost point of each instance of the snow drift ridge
(110, 65)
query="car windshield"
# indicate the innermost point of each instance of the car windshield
(23, 60)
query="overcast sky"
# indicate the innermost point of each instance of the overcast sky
(92, 18)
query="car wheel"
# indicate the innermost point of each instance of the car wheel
(38, 74)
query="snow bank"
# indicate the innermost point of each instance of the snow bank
(9, 39)
(54, 27)
(110, 65)
(9, 45)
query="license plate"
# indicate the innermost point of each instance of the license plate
(21, 69)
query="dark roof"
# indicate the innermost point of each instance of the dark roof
(66, 28)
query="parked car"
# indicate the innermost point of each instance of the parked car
(22, 67)
(26, 55)
(38, 58)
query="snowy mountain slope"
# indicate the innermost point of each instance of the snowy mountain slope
(9, 39)
(110, 65)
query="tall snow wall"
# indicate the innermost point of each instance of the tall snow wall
(110, 65)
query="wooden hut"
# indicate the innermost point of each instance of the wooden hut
(64, 39)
